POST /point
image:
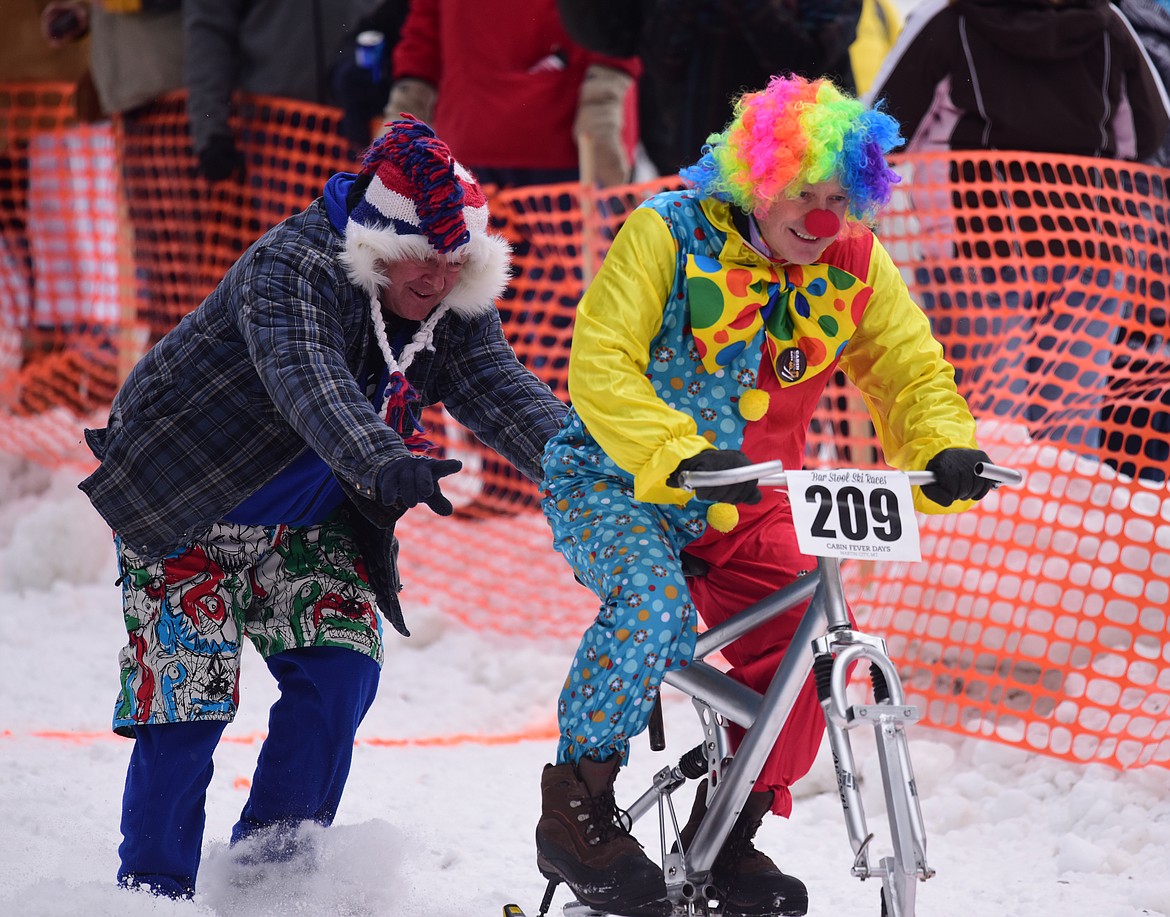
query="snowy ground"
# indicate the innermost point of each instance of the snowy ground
(441, 805)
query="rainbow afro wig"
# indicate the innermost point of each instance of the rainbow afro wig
(798, 132)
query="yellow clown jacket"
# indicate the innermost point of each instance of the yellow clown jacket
(689, 337)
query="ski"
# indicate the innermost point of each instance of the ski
(571, 910)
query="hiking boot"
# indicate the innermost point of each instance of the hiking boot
(751, 884)
(580, 842)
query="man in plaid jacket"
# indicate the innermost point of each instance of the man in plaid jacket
(253, 467)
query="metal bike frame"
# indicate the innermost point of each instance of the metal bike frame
(824, 632)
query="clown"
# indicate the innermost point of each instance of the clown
(705, 342)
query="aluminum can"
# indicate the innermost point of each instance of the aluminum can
(370, 51)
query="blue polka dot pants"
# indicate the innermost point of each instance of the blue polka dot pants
(627, 552)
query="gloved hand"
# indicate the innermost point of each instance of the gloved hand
(415, 97)
(955, 478)
(719, 460)
(601, 151)
(64, 21)
(363, 96)
(220, 159)
(410, 480)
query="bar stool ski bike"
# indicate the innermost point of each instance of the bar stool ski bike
(838, 514)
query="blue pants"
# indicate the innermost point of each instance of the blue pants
(300, 774)
(628, 553)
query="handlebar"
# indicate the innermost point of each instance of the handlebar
(772, 474)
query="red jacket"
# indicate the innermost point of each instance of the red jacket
(508, 79)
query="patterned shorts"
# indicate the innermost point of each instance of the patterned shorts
(282, 587)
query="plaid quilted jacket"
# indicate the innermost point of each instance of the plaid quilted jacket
(270, 363)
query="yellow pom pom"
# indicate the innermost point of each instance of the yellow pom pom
(722, 517)
(753, 404)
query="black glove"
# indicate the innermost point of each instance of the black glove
(719, 460)
(955, 478)
(410, 480)
(362, 96)
(220, 159)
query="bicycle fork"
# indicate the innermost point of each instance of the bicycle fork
(835, 653)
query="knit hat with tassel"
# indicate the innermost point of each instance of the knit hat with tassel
(420, 203)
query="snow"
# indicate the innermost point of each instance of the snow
(439, 813)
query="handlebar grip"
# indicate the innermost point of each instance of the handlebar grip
(692, 480)
(999, 474)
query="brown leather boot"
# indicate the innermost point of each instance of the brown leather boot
(580, 842)
(751, 883)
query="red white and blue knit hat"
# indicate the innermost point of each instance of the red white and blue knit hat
(421, 203)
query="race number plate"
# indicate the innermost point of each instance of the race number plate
(866, 515)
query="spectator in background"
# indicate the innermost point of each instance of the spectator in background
(283, 48)
(522, 102)
(527, 106)
(1051, 76)
(697, 54)
(1151, 21)
(361, 78)
(136, 51)
(877, 30)
(64, 280)
(136, 57)
(26, 57)
(1048, 76)
(1064, 77)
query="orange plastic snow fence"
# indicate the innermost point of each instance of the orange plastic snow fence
(1038, 619)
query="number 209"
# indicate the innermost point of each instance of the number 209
(854, 516)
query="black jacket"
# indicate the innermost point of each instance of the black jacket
(1030, 75)
(1151, 22)
(698, 54)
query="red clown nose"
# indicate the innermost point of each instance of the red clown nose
(822, 223)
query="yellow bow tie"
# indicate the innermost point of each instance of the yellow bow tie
(809, 313)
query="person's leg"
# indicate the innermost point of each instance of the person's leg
(763, 563)
(723, 592)
(314, 620)
(163, 806)
(179, 683)
(72, 220)
(581, 841)
(628, 554)
(325, 692)
(751, 882)
(623, 551)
